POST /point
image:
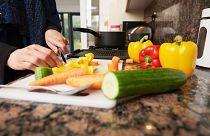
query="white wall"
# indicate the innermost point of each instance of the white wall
(113, 12)
(83, 22)
(68, 5)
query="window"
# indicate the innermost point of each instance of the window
(68, 21)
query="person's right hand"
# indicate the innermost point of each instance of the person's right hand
(31, 57)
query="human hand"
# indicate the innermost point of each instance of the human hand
(55, 39)
(31, 57)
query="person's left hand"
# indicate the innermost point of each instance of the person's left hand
(55, 39)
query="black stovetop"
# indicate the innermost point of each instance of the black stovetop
(101, 53)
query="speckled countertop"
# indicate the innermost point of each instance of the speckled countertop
(185, 112)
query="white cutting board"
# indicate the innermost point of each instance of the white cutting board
(95, 99)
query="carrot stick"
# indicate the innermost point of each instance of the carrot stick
(95, 80)
(58, 78)
(129, 61)
(115, 59)
(112, 66)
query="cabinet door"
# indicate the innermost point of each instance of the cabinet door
(136, 5)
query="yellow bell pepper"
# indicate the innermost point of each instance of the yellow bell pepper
(87, 59)
(179, 55)
(81, 62)
(134, 48)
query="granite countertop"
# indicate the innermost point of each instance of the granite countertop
(184, 112)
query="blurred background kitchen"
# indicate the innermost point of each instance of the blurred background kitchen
(166, 18)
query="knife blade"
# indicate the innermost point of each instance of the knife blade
(61, 54)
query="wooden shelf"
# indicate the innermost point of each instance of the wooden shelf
(136, 5)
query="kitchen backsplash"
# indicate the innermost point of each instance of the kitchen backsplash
(175, 17)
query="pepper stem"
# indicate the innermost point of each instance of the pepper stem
(144, 38)
(147, 59)
(178, 39)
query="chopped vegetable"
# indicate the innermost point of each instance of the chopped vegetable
(41, 72)
(115, 59)
(95, 80)
(58, 78)
(129, 61)
(112, 66)
(90, 56)
(85, 59)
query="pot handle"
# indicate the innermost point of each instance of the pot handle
(86, 30)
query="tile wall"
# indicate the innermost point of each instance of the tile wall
(175, 17)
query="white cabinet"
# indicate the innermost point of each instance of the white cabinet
(136, 5)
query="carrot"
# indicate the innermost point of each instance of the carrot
(58, 78)
(129, 61)
(112, 66)
(115, 59)
(93, 63)
(95, 80)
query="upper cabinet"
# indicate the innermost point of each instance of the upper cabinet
(135, 5)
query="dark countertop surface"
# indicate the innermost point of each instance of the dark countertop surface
(184, 112)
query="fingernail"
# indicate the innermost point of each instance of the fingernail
(56, 50)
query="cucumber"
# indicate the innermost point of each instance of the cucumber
(41, 72)
(141, 82)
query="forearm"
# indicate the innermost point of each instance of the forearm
(5, 51)
(53, 20)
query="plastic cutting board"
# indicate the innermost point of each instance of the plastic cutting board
(95, 99)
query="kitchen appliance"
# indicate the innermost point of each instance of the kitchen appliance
(101, 53)
(135, 30)
(107, 45)
(106, 39)
(203, 41)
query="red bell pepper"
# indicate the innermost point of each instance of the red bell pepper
(149, 57)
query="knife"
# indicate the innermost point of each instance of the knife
(61, 54)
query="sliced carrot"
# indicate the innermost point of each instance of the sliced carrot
(95, 80)
(93, 63)
(58, 78)
(112, 66)
(115, 59)
(129, 61)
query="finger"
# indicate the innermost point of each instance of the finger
(49, 56)
(29, 66)
(37, 58)
(66, 41)
(60, 43)
(52, 46)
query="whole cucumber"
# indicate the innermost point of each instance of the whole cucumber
(141, 82)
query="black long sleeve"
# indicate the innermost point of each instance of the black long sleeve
(13, 36)
(5, 51)
(53, 20)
